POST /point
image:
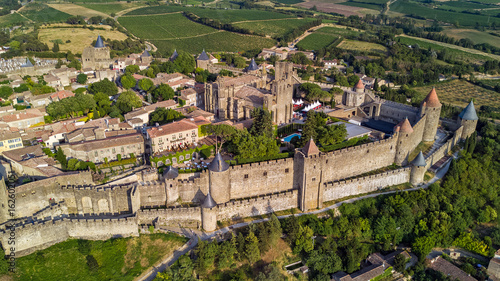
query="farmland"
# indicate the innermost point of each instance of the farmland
(316, 41)
(418, 9)
(332, 8)
(338, 31)
(361, 46)
(42, 13)
(453, 51)
(272, 27)
(77, 10)
(12, 19)
(459, 93)
(478, 37)
(79, 37)
(219, 41)
(110, 8)
(115, 259)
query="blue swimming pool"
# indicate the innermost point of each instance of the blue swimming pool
(290, 137)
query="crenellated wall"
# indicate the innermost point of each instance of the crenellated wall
(185, 217)
(40, 235)
(341, 189)
(395, 112)
(444, 149)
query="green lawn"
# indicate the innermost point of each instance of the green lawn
(41, 13)
(110, 8)
(273, 27)
(118, 259)
(221, 41)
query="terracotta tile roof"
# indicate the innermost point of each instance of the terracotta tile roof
(108, 142)
(360, 85)
(198, 120)
(187, 92)
(150, 108)
(432, 99)
(172, 128)
(62, 95)
(7, 135)
(17, 154)
(17, 116)
(404, 127)
(310, 148)
(450, 270)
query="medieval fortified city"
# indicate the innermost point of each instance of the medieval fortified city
(254, 140)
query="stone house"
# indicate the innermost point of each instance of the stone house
(143, 112)
(100, 150)
(190, 96)
(61, 95)
(10, 140)
(176, 134)
(267, 53)
(23, 119)
(40, 100)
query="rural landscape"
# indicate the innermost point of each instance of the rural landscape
(250, 140)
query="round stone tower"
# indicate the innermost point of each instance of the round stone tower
(468, 119)
(203, 60)
(208, 214)
(4, 197)
(418, 170)
(431, 108)
(404, 131)
(218, 172)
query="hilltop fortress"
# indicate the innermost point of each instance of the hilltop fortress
(54, 209)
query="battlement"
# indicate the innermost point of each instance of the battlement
(333, 184)
(256, 200)
(359, 147)
(276, 162)
(169, 211)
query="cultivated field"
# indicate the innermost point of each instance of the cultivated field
(332, 8)
(361, 46)
(273, 27)
(164, 27)
(460, 93)
(316, 41)
(454, 51)
(115, 259)
(478, 37)
(109, 8)
(222, 41)
(41, 13)
(79, 37)
(12, 19)
(77, 10)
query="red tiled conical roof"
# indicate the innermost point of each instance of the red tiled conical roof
(360, 85)
(432, 99)
(310, 148)
(404, 127)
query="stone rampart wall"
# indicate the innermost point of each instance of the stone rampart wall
(185, 217)
(261, 178)
(395, 112)
(444, 149)
(341, 189)
(257, 206)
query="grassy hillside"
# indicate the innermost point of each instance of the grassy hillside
(41, 13)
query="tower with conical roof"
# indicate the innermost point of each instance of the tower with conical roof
(418, 168)
(203, 60)
(252, 67)
(468, 120)
(404, 132)
(431, 109)
(219, 182)
(97, 56)
(307, 175)
(208, 214)
(174, 55)
(146, 57)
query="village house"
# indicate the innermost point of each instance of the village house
(106, 149)
(450, 270)
(330, 63)
(176, 134)
(189, 95)
(143, 112)
(193, 111)
(10, 140)
(61, 95)
(267, 53)
(30, 162)
(23, 119)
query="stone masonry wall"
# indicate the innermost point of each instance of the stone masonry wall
(152, 194)
(341, 189)
(257, 206)
(256, 179)
(395, 112)
(444, 149)
(185, 217)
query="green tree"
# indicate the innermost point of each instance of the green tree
(185, 63)
(206, 253)
(162, 116)
(127, 101)
(332, 134)
(5, 92)
(104, 86)
(239, 62)
(252, 251)
(61, 157)
(127, 81)
(163, 92)
(262, 123)
(423, 246)
(75, 64)
(304, 240)
(275, 230)
(55, 48)
(240, 246)
(400, 263)
(81, 78)
(102, 99)
(131, 69)
(227, 250)
(182, 269)
(146, 84)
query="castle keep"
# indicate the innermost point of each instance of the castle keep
(96, 57)
(54, 209)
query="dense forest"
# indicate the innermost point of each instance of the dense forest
(461, 210)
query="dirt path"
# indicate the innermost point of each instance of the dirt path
(123, 12)
(23, 16)
(451, 46)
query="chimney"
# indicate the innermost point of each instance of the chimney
(17, 116)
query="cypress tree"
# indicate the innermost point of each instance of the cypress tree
(252, 251)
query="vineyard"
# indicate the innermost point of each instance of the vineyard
(42, 13)
(110, 8)
(11, 19)
(361, 46)
(460, 93)
(273, 27)
(317, 41)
